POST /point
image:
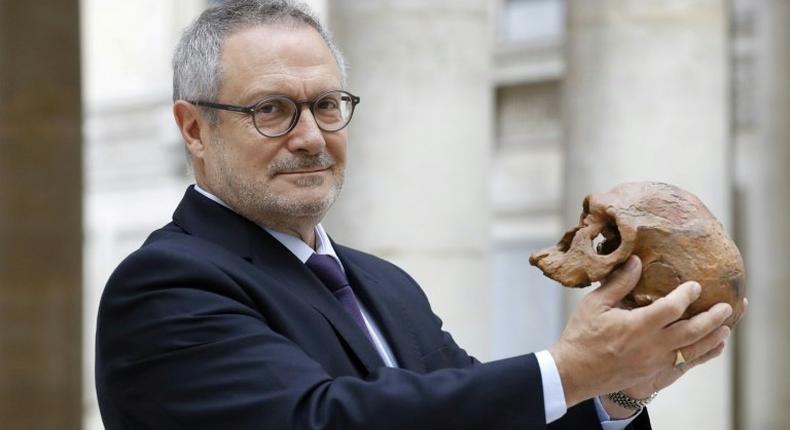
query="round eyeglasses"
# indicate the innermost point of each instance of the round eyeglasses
(276, 116)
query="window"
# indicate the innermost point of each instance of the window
(526, 20)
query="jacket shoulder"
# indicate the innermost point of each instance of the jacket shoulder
(170, 257)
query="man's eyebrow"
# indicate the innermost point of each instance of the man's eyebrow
(261, 94)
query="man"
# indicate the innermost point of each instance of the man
(242, 313)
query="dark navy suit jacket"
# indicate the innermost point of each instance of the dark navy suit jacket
(213, 324)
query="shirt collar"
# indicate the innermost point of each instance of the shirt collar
(301, 250)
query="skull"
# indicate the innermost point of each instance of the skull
(671, 231)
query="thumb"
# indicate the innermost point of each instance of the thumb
(620, 282)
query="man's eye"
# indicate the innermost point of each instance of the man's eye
(269, 108)
(326, 104)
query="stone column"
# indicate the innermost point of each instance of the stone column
(40, 215)
(419, 149)
(646, 98)
(765, 332)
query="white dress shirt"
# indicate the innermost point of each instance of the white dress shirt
(553, 394)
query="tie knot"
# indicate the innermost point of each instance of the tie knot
(328, 271)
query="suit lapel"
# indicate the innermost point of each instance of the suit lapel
(204, 218)
(300, 281)
(388, 310)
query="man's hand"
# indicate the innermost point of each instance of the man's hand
(711, 346)
(605, 348)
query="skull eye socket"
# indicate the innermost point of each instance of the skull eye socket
(607, 241)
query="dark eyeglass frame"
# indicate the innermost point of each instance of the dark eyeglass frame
(252, 109)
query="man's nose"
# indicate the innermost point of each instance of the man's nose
(306, 136)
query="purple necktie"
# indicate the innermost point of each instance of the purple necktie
(329, 272)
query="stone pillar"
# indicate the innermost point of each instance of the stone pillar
(764, 348)
(40, 215)
(646, 98)
(416, 186)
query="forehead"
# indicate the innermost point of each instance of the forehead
(291, 59)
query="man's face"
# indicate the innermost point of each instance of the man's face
(275, 181)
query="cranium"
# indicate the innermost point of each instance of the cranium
(671, 231)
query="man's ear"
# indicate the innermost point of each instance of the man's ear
(190, 124)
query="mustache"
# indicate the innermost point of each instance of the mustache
(318, 161)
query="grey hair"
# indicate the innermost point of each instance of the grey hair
(197, 71)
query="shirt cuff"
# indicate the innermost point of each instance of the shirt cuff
(553, 395)
(607, 423)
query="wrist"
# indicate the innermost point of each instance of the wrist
(571, 387)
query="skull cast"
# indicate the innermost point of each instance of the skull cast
(671, 231)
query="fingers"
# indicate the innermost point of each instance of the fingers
(713, 353)
(710, 355)
(708, 343)
(620, 282)
(670, 307)
(694, 330)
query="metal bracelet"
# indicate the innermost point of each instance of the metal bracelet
(628, 402)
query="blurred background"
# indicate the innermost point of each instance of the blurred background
(482, 126)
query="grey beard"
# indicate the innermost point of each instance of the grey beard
(256, 202)
(301, 162)
(265, 204)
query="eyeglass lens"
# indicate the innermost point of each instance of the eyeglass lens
(275, 115)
